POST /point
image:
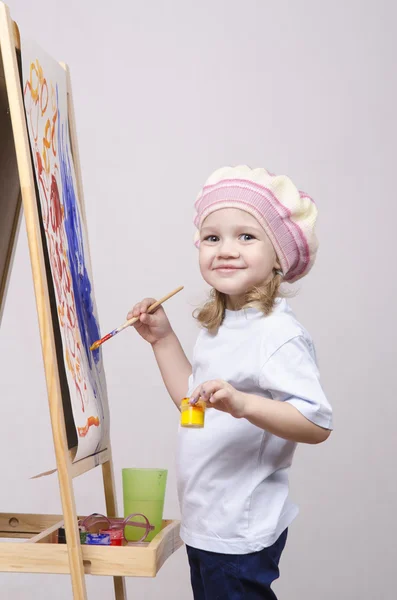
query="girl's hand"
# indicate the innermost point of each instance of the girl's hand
(221, 395)
(152, 327)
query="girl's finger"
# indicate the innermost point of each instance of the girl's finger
(195, 396)
(147, 319)
(133, 312)
(219, 396)
(140, 307)
(204, 391)
(144, 305)
(210, 388)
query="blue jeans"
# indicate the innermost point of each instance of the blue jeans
(235, 576)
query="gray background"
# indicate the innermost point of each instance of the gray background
(165, 92)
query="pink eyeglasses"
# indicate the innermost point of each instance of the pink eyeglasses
(114, 523)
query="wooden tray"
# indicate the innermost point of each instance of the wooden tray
(40, 553)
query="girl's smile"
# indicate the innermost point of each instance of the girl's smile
(228, 269)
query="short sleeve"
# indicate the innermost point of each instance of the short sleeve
(291, 375)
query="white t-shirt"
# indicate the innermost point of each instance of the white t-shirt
(232, 475)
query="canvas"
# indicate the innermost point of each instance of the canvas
(45, 98)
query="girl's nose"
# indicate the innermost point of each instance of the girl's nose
(228, 250)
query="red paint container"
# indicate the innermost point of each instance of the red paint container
(116, 536)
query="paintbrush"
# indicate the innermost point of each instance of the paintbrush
(151, 308)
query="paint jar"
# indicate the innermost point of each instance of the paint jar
(192, 415)
(61, 535)
(116, 536)
(83, 537)
(97, 539)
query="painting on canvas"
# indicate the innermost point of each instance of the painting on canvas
(45, 98)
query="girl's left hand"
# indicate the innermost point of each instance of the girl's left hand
(221, 395)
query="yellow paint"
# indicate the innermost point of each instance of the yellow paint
(192, 415)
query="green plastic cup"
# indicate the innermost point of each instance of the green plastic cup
(144, 492)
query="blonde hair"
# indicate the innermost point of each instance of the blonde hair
(262, 297)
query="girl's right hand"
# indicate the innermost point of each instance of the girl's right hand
(152, 327)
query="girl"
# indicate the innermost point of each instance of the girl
(255, 365)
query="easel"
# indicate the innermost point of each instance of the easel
(39, 554)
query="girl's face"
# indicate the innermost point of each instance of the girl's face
(235, 253)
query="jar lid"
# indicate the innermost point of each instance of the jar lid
(199, 404)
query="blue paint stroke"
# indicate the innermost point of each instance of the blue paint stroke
(89, 329)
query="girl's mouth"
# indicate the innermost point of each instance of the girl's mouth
(227, 269)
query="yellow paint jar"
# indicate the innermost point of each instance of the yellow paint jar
(192, 415)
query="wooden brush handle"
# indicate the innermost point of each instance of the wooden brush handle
(152, 307)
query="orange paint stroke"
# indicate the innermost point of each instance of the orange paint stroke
(53, 138)
(91, 421)
(34, 89)
(42, 96)
(46, 141)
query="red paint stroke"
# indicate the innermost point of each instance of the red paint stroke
(55, 204)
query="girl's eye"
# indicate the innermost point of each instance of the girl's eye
(246, 237)
(211, 238)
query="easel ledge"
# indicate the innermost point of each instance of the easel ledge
(41, 554)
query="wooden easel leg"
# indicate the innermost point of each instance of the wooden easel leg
(110, 498)
(120, 592)
(70, 517)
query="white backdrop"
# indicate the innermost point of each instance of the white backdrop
(164, 94)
